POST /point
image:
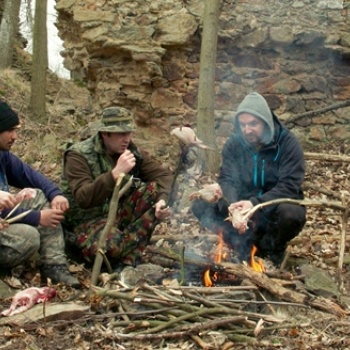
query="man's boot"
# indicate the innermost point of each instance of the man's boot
(58, 274)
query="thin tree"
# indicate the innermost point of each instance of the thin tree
(208, 159)
(40, 62)
(9, 28)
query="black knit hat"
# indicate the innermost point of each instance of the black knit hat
(8, 117)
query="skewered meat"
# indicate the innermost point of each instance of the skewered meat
(27, 298)
(209, 193)
(239, 221)
(187, 135)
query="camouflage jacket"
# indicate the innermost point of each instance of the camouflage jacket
(88, 183)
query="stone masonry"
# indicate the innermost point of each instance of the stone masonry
(144, 55)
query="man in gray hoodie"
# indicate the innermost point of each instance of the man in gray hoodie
(261, 161)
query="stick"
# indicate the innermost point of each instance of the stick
(342, 244)
(18, 217)
(117, 193)
(327, 157)
(182, 265)
(318, 111)
(307, 202)
(13, 209)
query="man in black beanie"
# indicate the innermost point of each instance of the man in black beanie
(39, 230)
(261, 161)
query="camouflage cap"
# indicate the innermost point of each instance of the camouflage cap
(116, 119)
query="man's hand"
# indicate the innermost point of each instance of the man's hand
(51, 217)
(162, 212)
(124, 164)
(60, 202)
(7, 200)
(242, 206)
(3, 224)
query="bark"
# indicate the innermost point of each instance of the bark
(40, 63)
(209, 159)
(8, 30)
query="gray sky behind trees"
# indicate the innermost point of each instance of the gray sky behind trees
(54, 42)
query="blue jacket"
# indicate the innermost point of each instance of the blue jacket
(15, 173)
(274, 171)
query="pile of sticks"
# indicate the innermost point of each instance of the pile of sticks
(240, 313)
(154, 312)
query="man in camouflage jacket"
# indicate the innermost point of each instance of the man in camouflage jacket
(90, 170)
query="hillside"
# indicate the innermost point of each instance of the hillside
(302, 326)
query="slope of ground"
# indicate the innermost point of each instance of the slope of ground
(69, 113)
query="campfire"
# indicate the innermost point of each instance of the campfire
(209, 277)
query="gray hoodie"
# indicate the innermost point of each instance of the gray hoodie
(257, 106)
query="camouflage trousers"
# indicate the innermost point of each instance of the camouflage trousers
(19, 242)
(134, 224)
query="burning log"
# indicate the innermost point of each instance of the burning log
(274, 286)
(263, 281)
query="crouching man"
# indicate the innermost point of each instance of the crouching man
(40, 229)
(91, 168)
(261, 161)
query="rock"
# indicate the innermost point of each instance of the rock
(319, 282)
(147, 272)
(53, 312)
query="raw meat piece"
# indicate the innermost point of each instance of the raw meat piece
(27, 298)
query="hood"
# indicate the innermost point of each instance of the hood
(256, 105)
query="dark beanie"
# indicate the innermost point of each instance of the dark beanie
(8, 117)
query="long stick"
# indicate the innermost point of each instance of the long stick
(342, 242)
(306, 202)
(117, 193)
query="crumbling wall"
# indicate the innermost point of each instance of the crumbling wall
(144, 55)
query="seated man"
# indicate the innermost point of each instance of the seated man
(261, 161)
(90, 171)
(40, 229)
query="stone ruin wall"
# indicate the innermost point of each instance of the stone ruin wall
(144, 55)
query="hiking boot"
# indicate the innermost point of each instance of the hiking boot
(58, 274)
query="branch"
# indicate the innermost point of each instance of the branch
(327, 157)
(318, 111)
(117, 193)
(306, 202)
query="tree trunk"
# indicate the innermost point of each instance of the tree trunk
(208, 159)
(40, 62)
(8, 30)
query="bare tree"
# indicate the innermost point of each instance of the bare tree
(209, 159)
(40, 62)
(9, 28)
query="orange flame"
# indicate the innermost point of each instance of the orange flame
(218, 258)
(256, 265)
(206, 278)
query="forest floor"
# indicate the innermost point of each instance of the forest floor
(287, 308)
